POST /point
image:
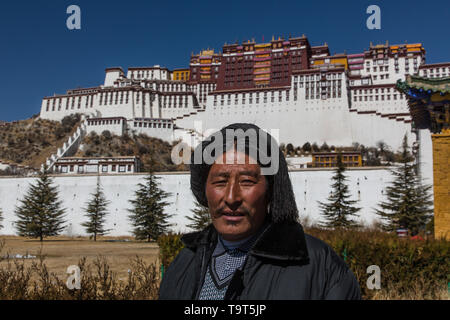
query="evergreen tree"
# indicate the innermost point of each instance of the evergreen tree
(96, 212)
(200, 219)
(147, 215)
(1, 218)
(40, 213)
(339, 209)
(408, 203)
(315, 147)
(289, 149)
(306, 147)
(325, 147)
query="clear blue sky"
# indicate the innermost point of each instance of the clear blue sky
(39, 56)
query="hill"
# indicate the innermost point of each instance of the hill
(29, 142)
(147, 148)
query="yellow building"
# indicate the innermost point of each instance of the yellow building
(180, 74)
(329, 159)
(338, 59)
(429, 103)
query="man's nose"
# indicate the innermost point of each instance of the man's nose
(233, 195)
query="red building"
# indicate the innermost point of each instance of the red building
(250, 65)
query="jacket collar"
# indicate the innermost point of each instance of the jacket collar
(280, 241)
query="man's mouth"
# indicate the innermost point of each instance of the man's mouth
(233, 214)
(233, 217)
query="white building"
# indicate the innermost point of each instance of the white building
(298, 162)
(97, 165)
(337, 99)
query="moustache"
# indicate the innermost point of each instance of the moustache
(240, 212)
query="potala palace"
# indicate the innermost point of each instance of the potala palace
(303, 91)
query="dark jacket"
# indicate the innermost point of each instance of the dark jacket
(284, 264)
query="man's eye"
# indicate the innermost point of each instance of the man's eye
(248, 182)
(220, 182)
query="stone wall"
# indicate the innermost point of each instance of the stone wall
(310, 186)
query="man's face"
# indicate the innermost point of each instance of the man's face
(236, 193)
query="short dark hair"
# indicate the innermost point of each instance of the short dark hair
(283, 207)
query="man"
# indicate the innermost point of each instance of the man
(255, 248)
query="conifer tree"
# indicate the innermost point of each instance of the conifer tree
(200, 219)
(1, 218)
(96, 211)
(339, 209)
(408, 204)
(40, 213)
(147, 215)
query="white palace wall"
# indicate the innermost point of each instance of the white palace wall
(310, 186)
(303, 121)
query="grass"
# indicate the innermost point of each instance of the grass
(122, 268)
(61, 252)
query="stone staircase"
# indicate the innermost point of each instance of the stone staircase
(188, 114)
(405, 117)
(189, 136)
(69, 147)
